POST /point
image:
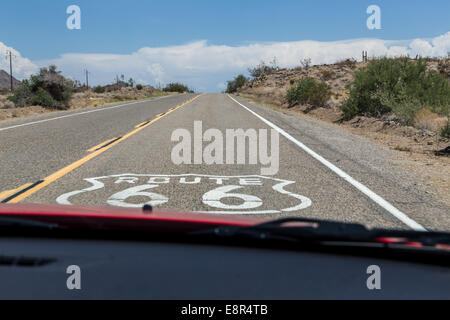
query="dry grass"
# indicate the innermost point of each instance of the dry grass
(6, 114)
(427, 120)
(82, 100)
(402, 148)
(5, 103)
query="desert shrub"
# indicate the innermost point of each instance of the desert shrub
(445, 131)
(326, 75)
(305, 63)
(237, 83)
(444, 68)
(48, 89)
(43, 98)
(309, 91)
(176, 87)
(119, 97)
(99, 89)
(398, 85)
(139, 86)
(264, 68)
(292, 81)
(22, 95)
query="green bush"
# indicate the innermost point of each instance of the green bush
(237, 83)
(445, 131)
(176, 87)
(398, 85)
(99, 89)
(139, 86)
(43, 98)
(309, 91)
(48, 89)
(22, 95)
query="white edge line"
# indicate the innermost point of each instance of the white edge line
(84, 112)
(369, 193)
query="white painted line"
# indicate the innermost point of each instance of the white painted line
(80, 113)
(369, 193)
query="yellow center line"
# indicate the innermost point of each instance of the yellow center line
(101, 144)
(55, 176)
(8, 193)
(140, 124)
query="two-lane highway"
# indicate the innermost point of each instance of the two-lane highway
(123, 156)
(31, 149)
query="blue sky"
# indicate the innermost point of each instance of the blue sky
(37, 29)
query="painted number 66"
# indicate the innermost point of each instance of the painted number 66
(213, 198)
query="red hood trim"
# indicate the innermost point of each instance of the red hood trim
(82, 214)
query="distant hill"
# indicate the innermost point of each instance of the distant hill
(5, 81)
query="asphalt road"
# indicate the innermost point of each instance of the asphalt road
(122, 156)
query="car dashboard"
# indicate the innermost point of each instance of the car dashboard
(39, 268)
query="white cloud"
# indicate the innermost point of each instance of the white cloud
(221, 86)
(22, 67)
(205, 66)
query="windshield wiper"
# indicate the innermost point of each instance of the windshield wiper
(7, 222)
(312, 230)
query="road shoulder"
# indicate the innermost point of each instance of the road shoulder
(417, 186)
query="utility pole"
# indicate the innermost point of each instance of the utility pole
(10, 70)
(87, 79)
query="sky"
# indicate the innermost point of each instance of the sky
(205, 43)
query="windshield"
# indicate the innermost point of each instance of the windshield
(324, 110)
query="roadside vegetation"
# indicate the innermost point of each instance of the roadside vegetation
(260, 70)
(402, 102)
(115, 86)
(48, 89)
(309, 91)
(264, 68)
(235, 84)
(445, 131)
(177, 87)
(399, 86)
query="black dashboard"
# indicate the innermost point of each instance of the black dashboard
(37, 268)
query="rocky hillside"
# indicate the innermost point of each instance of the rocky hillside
(271, 88)
(5, 80)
